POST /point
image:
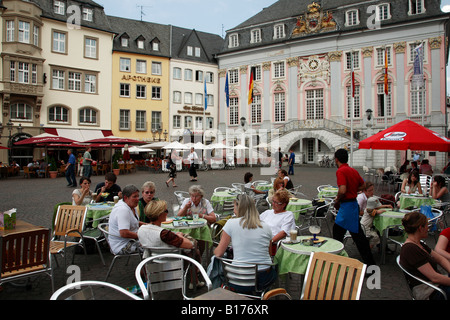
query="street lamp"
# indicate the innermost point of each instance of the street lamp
(369, 114)
(165, 134)
(154, 134)
(369, 154)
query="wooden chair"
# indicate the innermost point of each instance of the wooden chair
(95, 170)
(28, 173)
(68, 230)
(122, 168)
(24, 255)
(333, 277)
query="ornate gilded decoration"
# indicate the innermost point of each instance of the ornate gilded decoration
(335, 56)
(314, 68)
(243, 69)
(400, 47)
(222, 73)
(367, 52)
(435, 43)
(314, 21)
(293, 62)
(266, 66)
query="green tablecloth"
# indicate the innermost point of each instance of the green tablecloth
(386, 219)
(264, 187)
(415, 201)
(200, 233)
(298, 204)
(221, 197)
(328, 192)
(97, 211)
(294, 258)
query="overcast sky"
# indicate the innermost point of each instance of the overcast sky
(203, 15)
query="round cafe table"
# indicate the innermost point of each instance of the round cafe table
(296, 205)
(294, 258)
(221, 196)
(198, 229)
(264, 186)
(382, 221)
(328, 192)
(96, 211)
(413, 200)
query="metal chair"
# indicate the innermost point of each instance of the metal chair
(409, 277)
(103, 227)
(425, 182)
(296, 192)
(68, 231)
(181, 195)
(88, 293)
(322, 212)
(225, 209)
(167, 272)
(239, 186)
(245, 274)
(25, 255)
(394, 234)
(258, 182)
(221, 189)
(96, 235)
(333, 277)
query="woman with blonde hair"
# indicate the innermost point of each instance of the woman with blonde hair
(251, 241)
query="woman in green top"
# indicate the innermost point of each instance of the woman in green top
(148, 194)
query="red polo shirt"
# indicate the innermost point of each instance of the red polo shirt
(349, 177)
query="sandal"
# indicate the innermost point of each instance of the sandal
(167, 184)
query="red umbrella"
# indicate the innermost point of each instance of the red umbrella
(45, 138)
(407, 135)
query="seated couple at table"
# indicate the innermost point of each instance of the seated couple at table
(106, 191)
(251, 238)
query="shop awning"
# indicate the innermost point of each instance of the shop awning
(80, 135)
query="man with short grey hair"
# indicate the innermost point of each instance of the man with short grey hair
(124, 223)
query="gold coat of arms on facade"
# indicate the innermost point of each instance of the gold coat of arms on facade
(313, 21)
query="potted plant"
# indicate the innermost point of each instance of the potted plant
(53, 169)
(116, 169)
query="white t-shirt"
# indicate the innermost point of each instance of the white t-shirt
(362, 201)
(250, 245)
(203, 204)
(284, 221)
(193, 158)
(121, 218)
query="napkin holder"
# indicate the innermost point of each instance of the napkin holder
(8, 220)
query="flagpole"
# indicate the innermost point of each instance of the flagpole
(386, 89)
(352, 110)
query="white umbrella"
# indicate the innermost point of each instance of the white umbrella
(239, 147)
(155, 145)
(139, 149)
(218, 146)
(176, 145)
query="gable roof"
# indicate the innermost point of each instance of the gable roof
(136, 29)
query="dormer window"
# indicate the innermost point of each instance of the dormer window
(383, 12)
(124, 41)
(140, 41)
(278, 31)
(59, 7)
(233, 41)
(88, 14)
(255, 35)
(155, 45)
(351, 18)
(416, 7)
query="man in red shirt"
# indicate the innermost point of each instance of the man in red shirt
(350, 183)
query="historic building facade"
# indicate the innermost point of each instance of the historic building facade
(194, 85)
(302, 55)
(56, 72)
(140, 83)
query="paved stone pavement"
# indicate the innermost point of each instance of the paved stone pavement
(35, 199)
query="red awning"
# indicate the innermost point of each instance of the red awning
(80, 135)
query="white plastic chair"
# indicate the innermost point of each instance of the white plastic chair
(88, 293)
(167, 272)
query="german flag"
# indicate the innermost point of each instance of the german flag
(250, 87)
